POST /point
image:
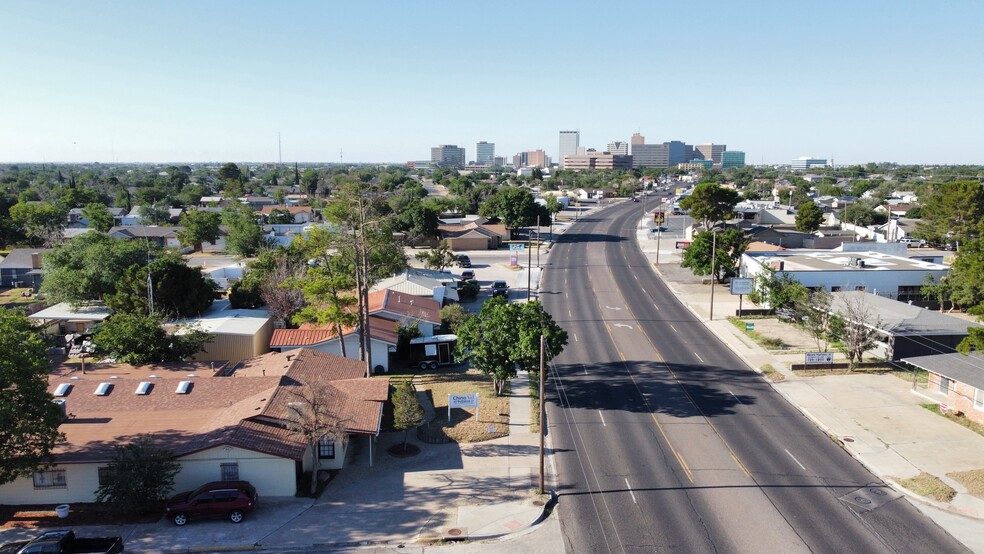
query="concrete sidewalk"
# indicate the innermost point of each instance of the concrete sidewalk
(877, 418)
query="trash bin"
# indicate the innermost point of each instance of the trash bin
(62, 510)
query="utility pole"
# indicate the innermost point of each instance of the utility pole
(714, 237)
(538, 242)
(529, 263)
(543, 410)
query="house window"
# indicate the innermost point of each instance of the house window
(326, 448)
(230, 472)
(945, 385)
(50, 479)
(105, 474)
(979, 399)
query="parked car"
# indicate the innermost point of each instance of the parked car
(464, 261)
(500, 288)
(65, 541)
(467, 275)
(215, 500)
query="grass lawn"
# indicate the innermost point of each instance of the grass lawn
(972, 425)
(771, 373)
(493, 412)
(973, 480)
(769, 343)
(13, 296)
(929, 486)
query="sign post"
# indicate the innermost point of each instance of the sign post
(741, 286)
(468, 400)
(820, 358)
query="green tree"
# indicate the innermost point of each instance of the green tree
(418, 221)
(710, 203)
(965, 282)
(43, 223)
(99, 217)
(938, 291)
(88, 267)
(230, 172)
(953, 211)
(140, 339)
(727, 250)
(28, 417)
(514, 206)
(244, 235)
(505, 336)
(247, 292)
(815, 316)
(453, 316)
(279, 216)
(778, 292)
(407, 413)
(179, 291)
(438, 258)
(860, 213)
(198, 226)
(140, 477)
(809, 216)
(328, 291)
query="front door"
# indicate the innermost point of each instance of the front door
(444, 353)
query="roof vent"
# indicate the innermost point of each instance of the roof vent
(192, 375)
(63, 389)
(184, 387)
(144, 387)
(75, 378)
(103, 389)
(152, 376)
(114, 376)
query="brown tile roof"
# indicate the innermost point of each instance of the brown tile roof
(292, 209)
(390, 303)
(309, 334)
(235, 410)
(126, 371)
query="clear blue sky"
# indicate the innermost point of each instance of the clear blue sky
(204, 80)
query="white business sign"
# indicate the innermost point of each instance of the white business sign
(463, 401)
(741, 285)
(819, 357)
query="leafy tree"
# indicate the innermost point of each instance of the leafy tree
(246, 292)
(953, 210)
(710, 203)
(505, 336)
(230, 172)
(88, 267)
(468, 290)
(453, 316)
(280, 216)
(938, 291)
(28, 417)
(553, 205)
(154, 214)
(438, 258)
(99, 217)
(140, 339)
(815, 316)
(140, 476)
(406, 332)
(727, 250)
(328, 292)
(418, 221)
(310, 181)
(809, 216)
(244, 236)
(914, 213)
(407, 412)
(514, 206)
(860, 213)
(778, 292)
(965, 282)
(43, 223)
(198, 226)
(179, 291)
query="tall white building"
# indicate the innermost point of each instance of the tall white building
(485, 153)
(569, 141)
(618, 147)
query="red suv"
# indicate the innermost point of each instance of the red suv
(216, 500)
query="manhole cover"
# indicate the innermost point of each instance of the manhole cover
(454, 532)
(538, 503)
(847, 439)
(869, 498)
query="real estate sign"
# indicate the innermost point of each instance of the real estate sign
(819, 358)
(463, 401)
(741, 285)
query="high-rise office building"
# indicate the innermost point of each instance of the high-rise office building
(711, 151)
(659, 155)
(644, 155)
(637, 139)
(499, 161)
(521, 159)
(732, 158)
(448, 155)
(806, 162)
(597, 160)
(485, 153)
(569, 141)
(537, 158)
(618, 147)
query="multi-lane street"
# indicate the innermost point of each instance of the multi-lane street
(664, 440)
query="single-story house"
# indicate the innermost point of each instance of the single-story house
(221, 425)
(164, 236)
(405, 309)
(22, 268)
(301, 214)
(133, 219)
(383, 338)
(956, 380)
(895, 277)
(63, 319)
(472, 233)
(417, 283)
(904, 330)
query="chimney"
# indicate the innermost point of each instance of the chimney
(35, 260)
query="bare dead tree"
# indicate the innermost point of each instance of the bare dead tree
(282, 301)
(312, 414)
(860, 324)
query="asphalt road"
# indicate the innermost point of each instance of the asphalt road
(666, 441)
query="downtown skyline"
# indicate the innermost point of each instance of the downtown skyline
(221, 81)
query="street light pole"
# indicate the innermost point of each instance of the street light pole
(713, 258)
(543, 410)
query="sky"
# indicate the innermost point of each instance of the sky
(216, 81)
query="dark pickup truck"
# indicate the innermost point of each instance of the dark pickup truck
(64, 541)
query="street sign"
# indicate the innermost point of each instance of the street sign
(819, 358)
(742, 285)
(749, 326)
(517, 246)
(682, 244)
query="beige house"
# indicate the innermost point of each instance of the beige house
(473, 234)
(221, 425)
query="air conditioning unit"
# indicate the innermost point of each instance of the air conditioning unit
(62, 408)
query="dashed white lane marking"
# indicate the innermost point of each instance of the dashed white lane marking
(602, 416)
(630, 490)
(698, 357)
(674, 328)
(736, 397)
(795, 460)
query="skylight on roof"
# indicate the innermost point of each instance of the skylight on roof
(103, 389)
(63, 389)
(184, 387)
(144, 387)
